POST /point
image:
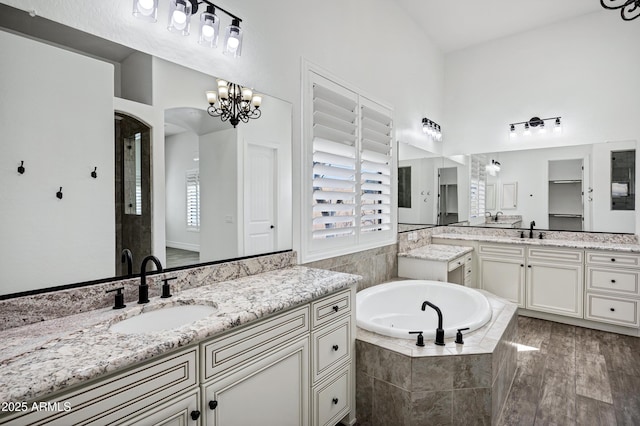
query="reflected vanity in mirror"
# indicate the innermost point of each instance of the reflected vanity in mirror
(190, 189)
(561, 188)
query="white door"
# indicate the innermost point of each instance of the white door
(260, 196)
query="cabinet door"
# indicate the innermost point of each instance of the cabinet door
(273, 390)
(176, 412)
(503, 277)
(555, 288)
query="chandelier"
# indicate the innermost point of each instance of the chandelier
(630, 8)
(234, 103)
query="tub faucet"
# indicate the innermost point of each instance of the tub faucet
(128, 258)
(487, 214)
(439, 331)
(143, 296)
(496, 216)
(531, 225)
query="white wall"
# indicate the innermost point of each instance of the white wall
(585, 70)
(424, 192)
(60, 123)
(219, 195)
(180, 150)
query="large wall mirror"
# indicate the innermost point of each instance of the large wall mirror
(107, 149)
(561, 188)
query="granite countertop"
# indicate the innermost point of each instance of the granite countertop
(595, 245)
(437, 252)
(39, 359)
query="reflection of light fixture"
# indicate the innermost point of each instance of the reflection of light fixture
(180, 12)
(233, 103)
(534, 123)
(630, 8)
(432, 129)
(493, 168)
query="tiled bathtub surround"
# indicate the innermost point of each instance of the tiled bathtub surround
(41, 307)
(422, 238)
(400, 384)
(375, 265)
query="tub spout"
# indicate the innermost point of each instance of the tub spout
(439, 331)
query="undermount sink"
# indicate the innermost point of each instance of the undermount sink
(163, 319)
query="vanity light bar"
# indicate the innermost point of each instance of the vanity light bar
(535, 123)
(180, 13)
(432, 129)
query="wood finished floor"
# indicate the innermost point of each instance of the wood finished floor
(573, 376)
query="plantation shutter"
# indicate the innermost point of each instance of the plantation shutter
(477, 187)
(376, 163)
(334, 141)
(193, 200)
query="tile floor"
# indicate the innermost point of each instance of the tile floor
(571, 375)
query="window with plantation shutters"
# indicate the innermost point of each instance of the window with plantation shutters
(348, 145)
(375, 169)
(193, 200)
(477, 186)
(335, 121)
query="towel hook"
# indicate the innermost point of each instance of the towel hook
(94, 173)
(59, 194)
(21, 168)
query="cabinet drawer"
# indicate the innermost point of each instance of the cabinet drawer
(455, 263)
(331, 399)
(179, 411)
(250, 342)
(622, 281)
(612, 310)
(330, 308)
(331, 346)
(501, 250)
(613, 259)
(122, 396)
(555, 255)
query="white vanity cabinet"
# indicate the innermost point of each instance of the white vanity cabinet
(554, 281)
(163, 389)
(613, 288)
(501, 271)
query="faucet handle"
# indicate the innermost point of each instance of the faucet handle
(420, 341)
(459, 335)
(166, 289)
(119, 299)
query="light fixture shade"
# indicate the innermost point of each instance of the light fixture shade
(233, 39)
(212, 97)
(558, 126)
(541, 128)
(209, 28)
(179, 17)
(147, 10)
(527, 131)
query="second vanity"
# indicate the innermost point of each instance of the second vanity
(289, 331)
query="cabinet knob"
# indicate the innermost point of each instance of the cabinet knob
(213, 404)
(613, 260)
(335, 400)
(335, 347)
(528, 266)
(195, 415)
(521, 265)
(613, 281)
(335, 308)
(612, 309)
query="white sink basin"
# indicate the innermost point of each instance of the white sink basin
(163, 319)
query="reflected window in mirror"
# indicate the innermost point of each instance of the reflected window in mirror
(404, 187)
(192, 178)
(133, 175)
(623, 177)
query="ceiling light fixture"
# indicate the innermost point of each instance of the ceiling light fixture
(234, 103)
(535, 123)
(180, 13)
(432, 129)
(630, 9)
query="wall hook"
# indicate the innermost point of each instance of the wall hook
(59, 194)
(94, 173)
(21, 168)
